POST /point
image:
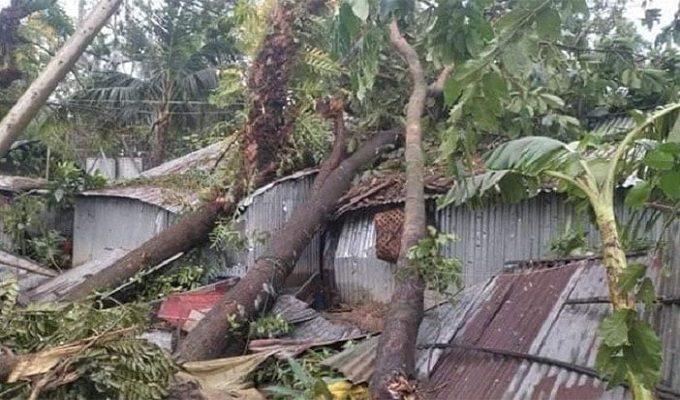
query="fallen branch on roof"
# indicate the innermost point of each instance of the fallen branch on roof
(255, 292)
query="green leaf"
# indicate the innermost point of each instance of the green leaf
(509, 184)
(638, 195)
(643, 356)
(646, 293)
(670, 184)
(349, 23)
(674, 134)
(629, 277)
(514, 58)
(614, 328)
(548, 24)
(360, 8)
(452, 90)
(532, 155)
(552, 100)
(659, 160)
(611, 365)
(495, 87)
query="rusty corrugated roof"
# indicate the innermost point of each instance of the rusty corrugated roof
(532, 335)
(523, 334)
(387, 187)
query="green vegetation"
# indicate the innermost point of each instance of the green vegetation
(529, 81)
(126, 366)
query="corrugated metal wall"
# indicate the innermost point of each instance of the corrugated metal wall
(357, 274)
(105, 223)
(488, 238)
(667, 321)
(266, 213)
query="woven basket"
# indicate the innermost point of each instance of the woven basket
(388, 227)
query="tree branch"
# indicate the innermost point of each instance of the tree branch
(438, 85)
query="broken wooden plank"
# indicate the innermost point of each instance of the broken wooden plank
(28, 273)
(56, 287)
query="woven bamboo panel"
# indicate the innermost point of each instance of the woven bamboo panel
(388, 227)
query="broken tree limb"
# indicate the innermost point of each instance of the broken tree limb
(255, 292)
(336, 113)
(191, 231)
(13, 368)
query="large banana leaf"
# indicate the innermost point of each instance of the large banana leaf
(509, 185)
(533, 155)
(516, 169)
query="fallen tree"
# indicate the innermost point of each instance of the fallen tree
(255, 292)
(191, 231)
(265, 134)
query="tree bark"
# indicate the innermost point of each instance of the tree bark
(256, 291)
(182, 236)
(397, 343)
(159, 138)
(21, 114)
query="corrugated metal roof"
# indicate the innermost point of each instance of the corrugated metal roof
(613, 126)
(384, 187)
(174, 199)
(528, 334)
(204, 159)
(518, 341)
(177, 199)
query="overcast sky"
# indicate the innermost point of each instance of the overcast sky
(635, 11)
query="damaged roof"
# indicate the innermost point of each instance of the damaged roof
(386, 187)
(530, 333)
(175, 198)
(533, 335)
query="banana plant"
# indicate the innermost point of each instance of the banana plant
(630, 349)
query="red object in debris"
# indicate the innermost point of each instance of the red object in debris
(177, 309)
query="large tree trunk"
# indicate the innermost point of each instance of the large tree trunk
(255, 292)
(21, 114)
(270, 126)
(186, 234)
(397, 343)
